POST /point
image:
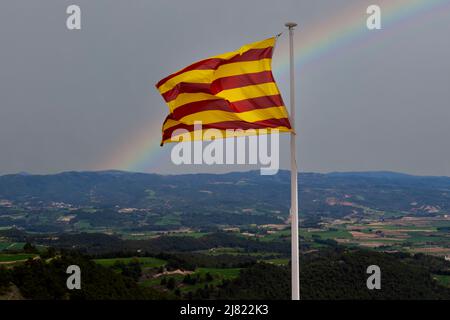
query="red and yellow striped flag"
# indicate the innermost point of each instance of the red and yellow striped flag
(234, 90)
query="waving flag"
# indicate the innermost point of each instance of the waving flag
(234, 90)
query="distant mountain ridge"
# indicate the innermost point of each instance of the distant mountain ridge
(375, 173)
(128, 188)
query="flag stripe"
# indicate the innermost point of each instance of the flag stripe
(214, 116)
(242, 80)
(237, 68)
(260, 102)
(214, 63)
(186, 98)
(186, 87)
(221, 104)
(231, 95)
(205, 105)
(256, 45)
(235, 125)
(192, 76)
(208, 76)
(218, 85)
(227, 133)
(249, 92)
(250, 55)
(207, 64)
(171, 122)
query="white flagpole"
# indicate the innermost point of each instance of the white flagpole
(294, 173)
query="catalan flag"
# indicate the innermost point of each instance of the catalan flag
(234, 90)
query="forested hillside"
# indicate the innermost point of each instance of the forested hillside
(330, 274)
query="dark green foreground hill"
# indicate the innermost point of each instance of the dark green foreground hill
(328, 274)
(41, 280)
(337, 275)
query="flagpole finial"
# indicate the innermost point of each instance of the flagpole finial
(290, 25)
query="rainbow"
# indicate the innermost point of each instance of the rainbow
(348, 27)
(142, 150)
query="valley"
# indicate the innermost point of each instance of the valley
(204, 236)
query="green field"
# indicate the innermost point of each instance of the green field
(11, 245)
(401, 227)
(83, 225)
(138, 235)
(4, 245)
(169, 219)
(225, 273)
(238, 252)
(152, 234)
(417, 237)
(443, 279)
(218, 275)
(279, 261)
(188, 234)
(326, 234)
(146, 262)
(6, 257)
(222, 250)
(277, 235)
(333, 234)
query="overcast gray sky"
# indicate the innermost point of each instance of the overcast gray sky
(83, 100)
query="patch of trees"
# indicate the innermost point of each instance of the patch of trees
(191, 261)
(97, 244)
(214, 240)
(261, 281)
(29, 248)
(5, 279)
(436, 265)
(37, 279)
(214, 217)
(341, 274)
(333, 274)
(131, 269)
(14, 234)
